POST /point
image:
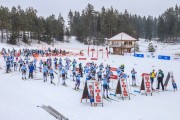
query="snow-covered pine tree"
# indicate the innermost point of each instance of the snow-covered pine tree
(151, 48)
(137, 47)
(25, 40)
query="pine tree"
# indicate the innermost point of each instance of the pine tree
(137, 47)
(25, 40)
(151, 48)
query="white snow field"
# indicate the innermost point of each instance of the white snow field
(19, 98)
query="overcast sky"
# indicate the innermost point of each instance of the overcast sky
(48, 7)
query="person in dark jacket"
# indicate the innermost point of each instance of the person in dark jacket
(160, 77)
(31, 69)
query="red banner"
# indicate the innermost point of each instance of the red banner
(113, 76)
(113, 69)
(88, 50)
(97, 93)
(82, 58)
(124, 88)
(93, 49)
(94, 59)
(147, 84)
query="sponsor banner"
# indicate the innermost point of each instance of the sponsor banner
(113, 76)
(113, 69)
(124, 87)
(93, 58)
(90, 88)
(82, 58)
(93, 49)
(147, 84)
(164, 57)
(139, 55)
(97, 92)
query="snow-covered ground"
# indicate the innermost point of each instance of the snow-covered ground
(162, 48)
(19, 98)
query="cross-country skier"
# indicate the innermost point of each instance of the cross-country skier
(67, 69)
(45, 72)
(107, 68)
(78, 76)
(105, 86)
(81, 69)
(173, 83)
(108, 75)
(88, 76)
(101, 66)
(152, 76)
(119, 72)
(15, 65)
(8, 66)
(20, 63)
(23, 69)
(5, 56)
(63, 76)
(60, 61)
(123, 75)
(55, 63)
(51, 73)
(74, 72)
(74, 63)
(99, 73)
(122, 67)
(91, 97)
(34, 63)
(133, 73)
(60, 68)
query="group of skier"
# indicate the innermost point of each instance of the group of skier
(91, 71)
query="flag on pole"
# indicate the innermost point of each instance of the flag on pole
(93, 51)
(107, 51)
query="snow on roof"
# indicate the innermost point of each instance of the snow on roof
(122, 36)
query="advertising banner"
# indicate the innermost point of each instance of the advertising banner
(97, 93)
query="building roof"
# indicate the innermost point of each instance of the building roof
(122, 36)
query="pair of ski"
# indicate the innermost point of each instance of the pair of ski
(65, 85)
(51, 83)
(135, 86)
(157, 91)
(79, 90)
(110, 99)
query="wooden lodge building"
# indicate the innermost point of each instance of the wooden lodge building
(121, 43)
